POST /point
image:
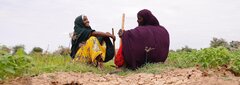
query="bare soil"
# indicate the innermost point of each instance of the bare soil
(189, 76)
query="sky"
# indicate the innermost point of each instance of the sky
(47, 23)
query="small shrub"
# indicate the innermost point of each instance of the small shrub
(37, 50)
(14, 65)
(235, 67)
(15, 48)
(213, 57)
(235, 62)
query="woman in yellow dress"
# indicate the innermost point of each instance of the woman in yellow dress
(90, 46)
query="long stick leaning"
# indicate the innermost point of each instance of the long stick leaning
(123, 21)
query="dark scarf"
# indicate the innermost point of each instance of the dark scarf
(148, 18)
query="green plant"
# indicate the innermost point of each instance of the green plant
(14, 65)
(182, 59)
(15, 48)
(235, 62)
(213, 57)
(235, 67)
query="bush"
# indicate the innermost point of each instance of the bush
(4, 49)
(235, 67)
(182, 59)
(14, 65)
(62, 51)
(37, 50)
(213, 57)
(206, 58)
(235, 62)
(219, 42)
(15, 48)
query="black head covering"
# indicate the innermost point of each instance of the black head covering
(148, 18)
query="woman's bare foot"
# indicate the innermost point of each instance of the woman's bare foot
(100, 65)
(100, 62)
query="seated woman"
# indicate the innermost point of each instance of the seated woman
(90, 46)
(147, 43)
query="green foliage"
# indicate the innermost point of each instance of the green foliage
(213, 57)
(235, 62)
(14, 65)
(15, 48)
(236, 66)
(182, 59)
(206, 58)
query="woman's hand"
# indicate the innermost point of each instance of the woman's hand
(112, 36)
(120, 33)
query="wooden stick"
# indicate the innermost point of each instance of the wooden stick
(123, 20)
(112, 31)
(113, 42)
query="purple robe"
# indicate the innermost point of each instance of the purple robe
(148, 34)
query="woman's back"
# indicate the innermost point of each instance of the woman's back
(149, 42)
(145, 44)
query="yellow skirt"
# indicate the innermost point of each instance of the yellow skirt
(89, 51)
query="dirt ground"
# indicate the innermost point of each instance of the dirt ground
(189, 76)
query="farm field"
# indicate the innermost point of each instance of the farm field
(208, 66)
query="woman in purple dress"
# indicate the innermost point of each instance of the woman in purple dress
(147, 43)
